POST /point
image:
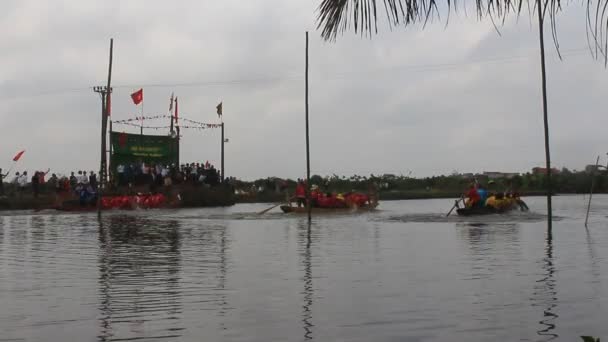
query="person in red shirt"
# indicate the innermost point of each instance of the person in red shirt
(473, 196)
(301, 193)
(315, 195)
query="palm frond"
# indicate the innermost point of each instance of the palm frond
(337, 16)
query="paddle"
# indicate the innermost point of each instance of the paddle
(455, 205)
(274, 206)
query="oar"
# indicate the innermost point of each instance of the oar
(267, 210)
(455, 206)
(274, 206)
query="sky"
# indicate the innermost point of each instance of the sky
(420, 101)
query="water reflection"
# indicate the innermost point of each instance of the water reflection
(139, 266)
(545, 294)
(305, 240)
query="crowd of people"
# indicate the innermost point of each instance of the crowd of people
(478, 196)
(320, 199)
(86, 183)
(38, 182)
(157, 175)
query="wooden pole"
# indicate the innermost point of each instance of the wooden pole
(545, 115)
(222, 166)
(104, 122)
(597, 163)
(110, 154)
(309, 205)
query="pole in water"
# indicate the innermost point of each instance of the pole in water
(105, 108)
(539, 8)
(597, 163)
(308, 200)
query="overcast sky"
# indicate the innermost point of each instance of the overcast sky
(427, 101)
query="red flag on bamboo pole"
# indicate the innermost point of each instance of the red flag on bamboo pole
(138, 96)
(18, 155)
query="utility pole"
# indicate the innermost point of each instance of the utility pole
(103, 92)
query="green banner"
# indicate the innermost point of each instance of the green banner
(136, 148)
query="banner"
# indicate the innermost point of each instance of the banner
(136, 148)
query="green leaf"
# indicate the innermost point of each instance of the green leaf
(590, 339)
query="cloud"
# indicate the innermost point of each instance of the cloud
(429, 101)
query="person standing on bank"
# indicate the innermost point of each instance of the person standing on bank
(36, 184)
(2, 176)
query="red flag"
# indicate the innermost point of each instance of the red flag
(176, 111)
(18, 155)
(138, 96)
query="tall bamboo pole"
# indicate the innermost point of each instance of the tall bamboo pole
(545, 115)
(307, 140)
(104, 125)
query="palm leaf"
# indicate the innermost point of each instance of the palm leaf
(337, 16)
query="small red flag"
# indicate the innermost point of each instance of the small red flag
(18, 155)
(138, 96)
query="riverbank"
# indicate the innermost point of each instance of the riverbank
(189, 197)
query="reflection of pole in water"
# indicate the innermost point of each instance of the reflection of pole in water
(308, 287)
(547, 294)
(222, 275)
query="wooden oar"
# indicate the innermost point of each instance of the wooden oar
(455, 205)
(267, 210)
(274, 206)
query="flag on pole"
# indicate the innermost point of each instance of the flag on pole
(138, 96)
(219, 109)
(171, 104)
(18, 155)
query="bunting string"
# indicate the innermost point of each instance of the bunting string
(196, 124)
(199, 127)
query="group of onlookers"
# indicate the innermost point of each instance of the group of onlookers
(38, 182)
(154, 175)
(157, 175)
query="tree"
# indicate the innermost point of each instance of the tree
(336, 16)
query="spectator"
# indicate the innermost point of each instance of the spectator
(54, 183)
(2, 176)
(93, 180)
(73, 181)
(23, 181)
(16, 179)
(36, 184)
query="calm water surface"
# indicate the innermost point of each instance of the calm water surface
(405, 273)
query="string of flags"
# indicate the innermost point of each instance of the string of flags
(139, 118)
(200, 127)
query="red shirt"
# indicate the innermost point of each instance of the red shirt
(473, 195)
(300, 191)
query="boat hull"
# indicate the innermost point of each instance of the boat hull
(303, 210)
(483, 211)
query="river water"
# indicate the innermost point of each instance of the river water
(403, 273)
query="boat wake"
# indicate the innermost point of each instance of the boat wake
(511, 217)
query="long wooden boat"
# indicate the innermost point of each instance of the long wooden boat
(487, 210)
(303, 210)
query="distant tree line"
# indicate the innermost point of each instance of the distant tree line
(398, 186)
